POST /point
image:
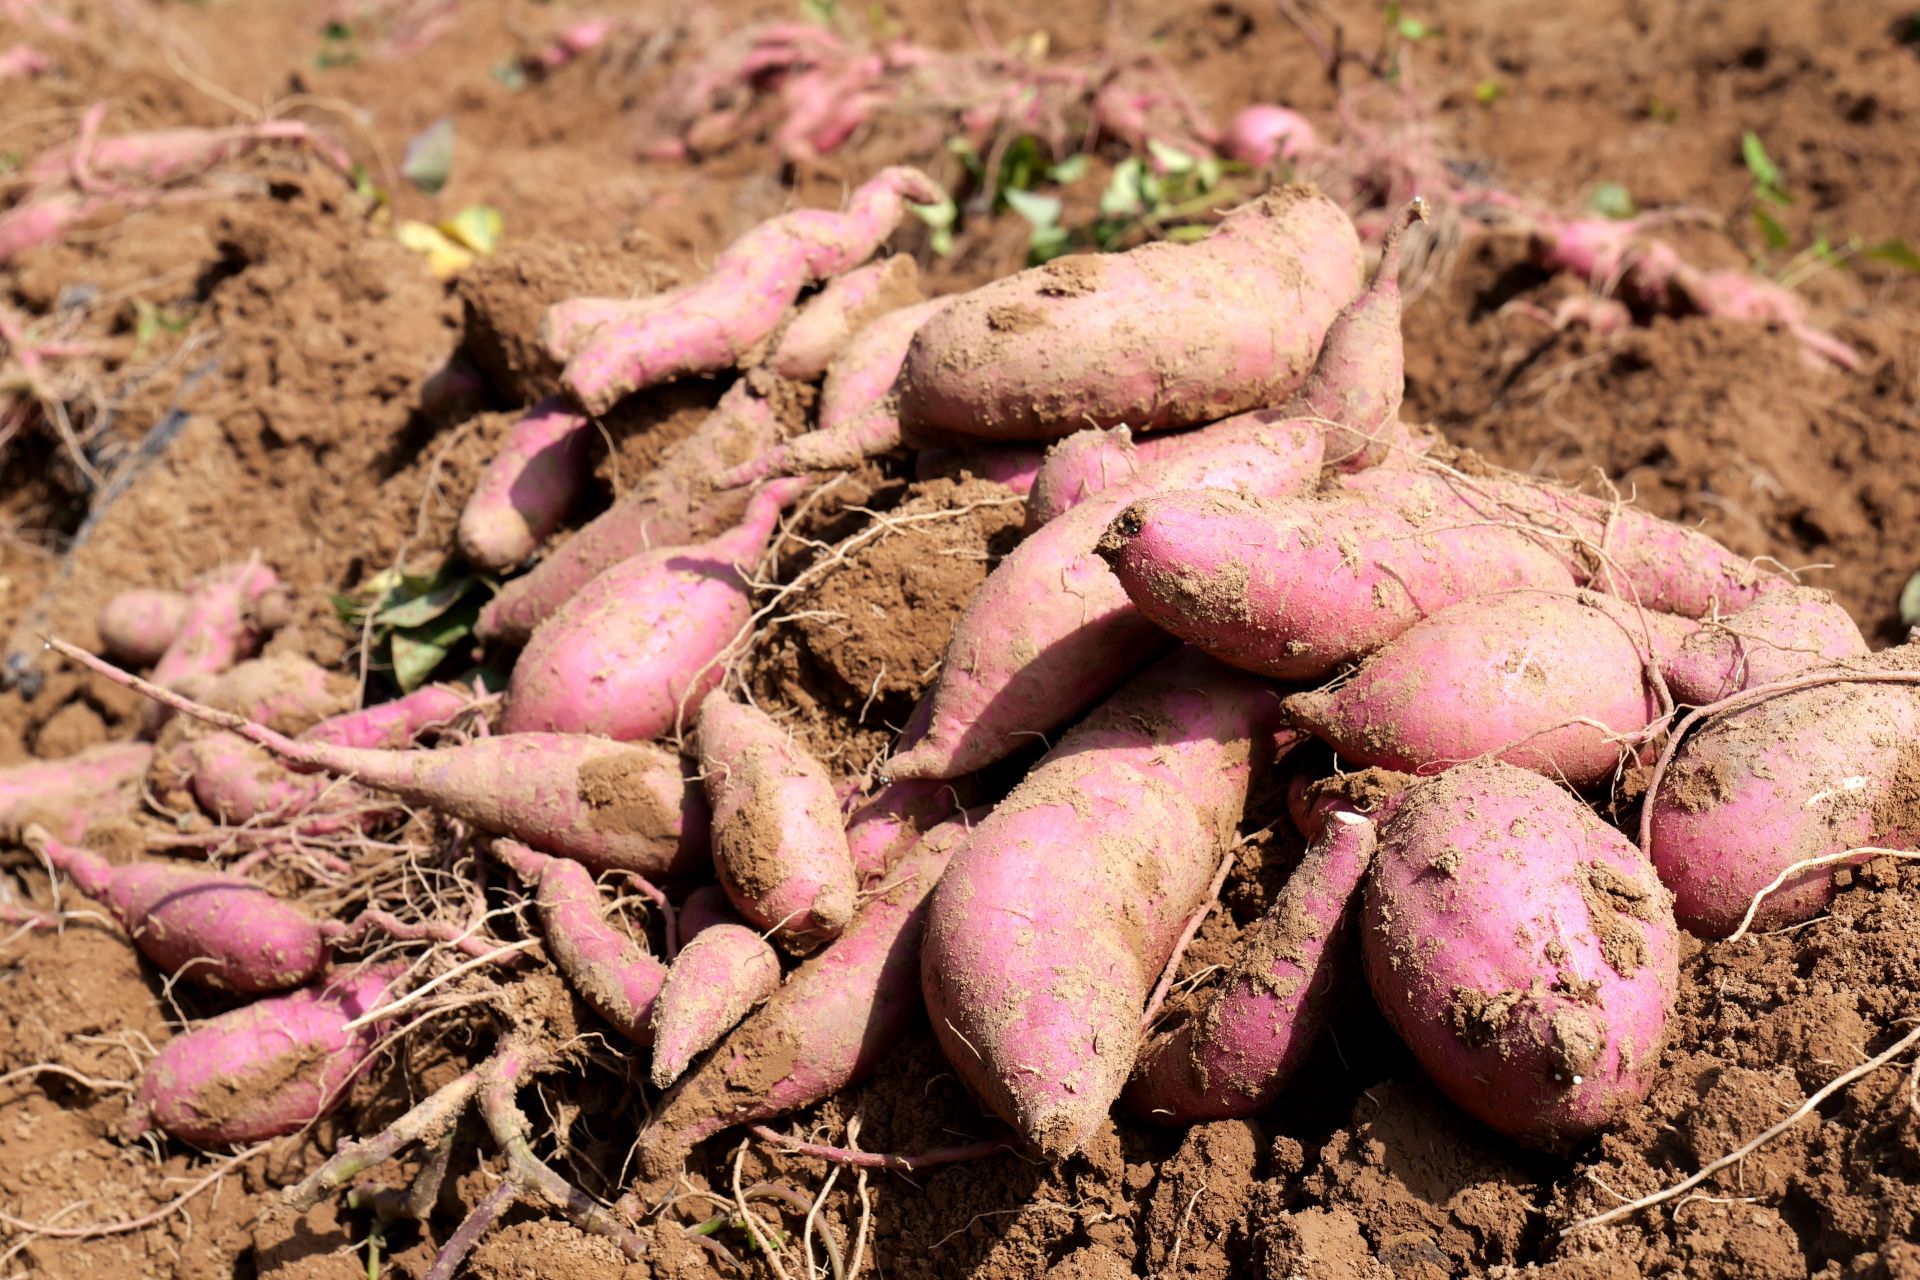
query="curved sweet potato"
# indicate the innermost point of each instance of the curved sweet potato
(1781, 634)
(844, 306)
(525, 491)
(714, 982)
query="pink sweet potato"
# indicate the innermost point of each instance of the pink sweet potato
(889, 822)
(1166, 335)
(674, 505)
(713, 983)
(1260, 134)
(136, 627)
(267, 1068)
(710, 325)
(1781, 634)
(778, 843)
(111, 767)
(1014, 466)
(1237, 1052)
(213, 929)
(394, 723)
(1294, 587)
(1058, 913)
(527, 489)
(1523, 949)
(604, 966)
(166, 156)
(841, 309)
(1088, 462)
(704, 908)
(643, 642)
(825, 1028)
(1557, 682)
(1051, 631)
(1802, 775)
(220, 625)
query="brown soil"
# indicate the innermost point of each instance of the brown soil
(298, 342)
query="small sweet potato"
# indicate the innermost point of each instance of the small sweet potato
(526, 490)
(136, 627)
(844, 306)
(1781, 634)
(714, 982)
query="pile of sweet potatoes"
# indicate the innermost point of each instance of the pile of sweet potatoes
(1233, 544)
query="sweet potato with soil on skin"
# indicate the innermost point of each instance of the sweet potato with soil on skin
(1557, 682)
(220, 626)
(528, 487)
(888, 823)
(778, 843)
(213, 929)
(1051, 631)
(1523, 949)
(1781, 634)
(1802, 775)
(1240, 1049)
(639, 646)
(710, 326)
(267, 1068)
(1015, 466)
(673, 505)
(136, 627)
(825, 1028)
(604, 966)
(109, 767)
(705, 907)
(1166, 335)
(394, 723)
(163, 156)
(1078, 466)
(841, 309)
(713, 983)
(1057, 915)
(1293, 587)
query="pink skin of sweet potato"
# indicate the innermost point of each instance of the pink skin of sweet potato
(566, 326)
(1523, 949)
(1083, 340)
(169, 155)
(42, 220)
(528, 488)
(602, 964)
(1781, 634)
(1293, 587)
(1557, 682)
(704, 908)
(1740, 295)
(713, 983)
(857, 417)
(1260, 134)
(1618, 549)
(213, 929)
(641, 644)
(1803, 775)
(219, 627)
(394, 723)
(22, 62)
(827, 1026)
(1240, 1049)
(268, 1068)
(1015, 466)
(111, 767)
(888, 823)
(1088, 462)
(843, 307)
(674, 505)
(709, 326)
(778, 842)
(137, 626)
(1055, 918)
(1051, 631)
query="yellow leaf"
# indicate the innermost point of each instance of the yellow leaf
(477, 227)
(445, 258)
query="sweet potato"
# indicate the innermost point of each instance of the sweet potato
(1014, 466)
(643, 642)
(528, 487)
(890, 821)
(841, 309)
(713, 983)
(220, 625)
(168, 155)
(267, 1068)
(1262, 133)
(394, 723)
(1058, 913)
(213, 929)
(1051, 631)
(1294, 587)
(1078, 466)
(1781, 634)
(778, 843)
(1559, 683)
(705, 907)
(709, 326)
(1166, 335)
(1802, 775)
(137, 626)
(825, 1028)
(604, 966)
(674, 505)
(1237, 1052)
(110, 767)
(1523, 949)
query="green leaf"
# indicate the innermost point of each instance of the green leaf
(1046, 244)
(1664, 112)
(819, 12)
(1122, 196)
(1488, 92)
(1170, 159)
(420, 600)
(1021, 164)
(1040, 210)
(1770, 229)
(1188, 232)
(1765, 173)
(1611, 200)
(941, 242)
(1207, 174)
(938, 216)
(1068, 171)
(429, 157)
(1897, 252)
(510, 75)
(1414, 29)
(419, 651)
(1910, 602)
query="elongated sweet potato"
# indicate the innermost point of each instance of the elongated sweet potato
(891, 820)
(1556, 682)
(219, 627)
(527, 488)
(1523, 949)
(714, 982)
(1088, 462)
(1294, 587)
(1236, 1054)
(841, 309)
(1088, 339)
(1058, 913)
(1781, 634)
(1051, 631)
